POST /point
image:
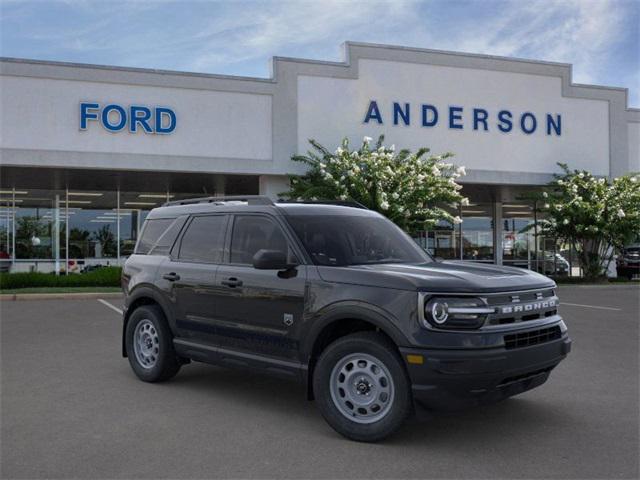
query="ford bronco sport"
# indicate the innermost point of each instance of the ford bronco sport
(339, 298)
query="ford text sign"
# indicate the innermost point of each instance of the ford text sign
(134, 118)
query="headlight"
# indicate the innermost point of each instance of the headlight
(455, 312)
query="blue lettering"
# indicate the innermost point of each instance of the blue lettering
(480, 115)
(557, 125)
(523, 123)
(139, 115)
(455, 113)
(85, 114)
(399, 112)
(105, 118)
(373, 112)
(504, 117)
(425, 115)
(162, 112)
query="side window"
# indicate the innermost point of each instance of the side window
(252, 233)
(151, 232)
(204, 239)
(165, 242)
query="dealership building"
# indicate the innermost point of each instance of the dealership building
(86, 150)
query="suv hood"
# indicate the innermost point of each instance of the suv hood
(447, 276)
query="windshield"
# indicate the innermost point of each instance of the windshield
(355, 240)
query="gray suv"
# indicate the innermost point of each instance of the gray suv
(339, 298)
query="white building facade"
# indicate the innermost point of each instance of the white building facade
(86, 151)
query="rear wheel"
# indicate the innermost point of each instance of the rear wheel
(361, 387)
(149, 345)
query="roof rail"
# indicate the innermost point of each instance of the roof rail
(342, 203)
(250, 199)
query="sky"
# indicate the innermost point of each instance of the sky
(601, 38)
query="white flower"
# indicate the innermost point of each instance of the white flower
(367, 139)
(343, 197)
(392, 148)
(384, 205)
(461, 171)
(546, 205)
(395, 195)
(633, 179)
(339, 151)
(545, 194)
(621, 213)
(581, 175)
(464, 202)
(565, 221)
(457, 220)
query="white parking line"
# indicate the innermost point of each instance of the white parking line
(112, 307)
(590, 306)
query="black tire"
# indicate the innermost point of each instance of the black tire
(381, 348)
(167, 363)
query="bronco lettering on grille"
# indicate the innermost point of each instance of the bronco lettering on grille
(528, 307)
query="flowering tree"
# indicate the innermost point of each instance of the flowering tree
(594, 215)
(405, 187)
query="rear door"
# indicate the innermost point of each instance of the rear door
(259, 311)
(190, 275)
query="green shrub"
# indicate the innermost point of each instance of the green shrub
(101, 277)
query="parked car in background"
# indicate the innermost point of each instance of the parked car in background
(5, 261)
(628, 263)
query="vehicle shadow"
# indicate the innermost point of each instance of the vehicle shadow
(514, 418)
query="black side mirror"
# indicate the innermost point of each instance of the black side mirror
(271, 260)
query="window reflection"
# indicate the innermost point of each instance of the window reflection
(477, 232)
(518, 239)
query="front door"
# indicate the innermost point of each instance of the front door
(260, 311)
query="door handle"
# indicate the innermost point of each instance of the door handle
(172, 277)
(232, 282)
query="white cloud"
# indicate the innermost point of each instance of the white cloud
(229, 37)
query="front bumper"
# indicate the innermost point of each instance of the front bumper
(451, 379)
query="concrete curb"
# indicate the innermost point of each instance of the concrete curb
(58, 296)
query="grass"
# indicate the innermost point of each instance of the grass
(12, 291)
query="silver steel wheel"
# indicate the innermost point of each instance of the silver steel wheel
(146, 344)
(362, 388)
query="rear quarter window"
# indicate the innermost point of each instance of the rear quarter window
(158, 235)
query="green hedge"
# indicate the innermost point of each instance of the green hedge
(101, 277)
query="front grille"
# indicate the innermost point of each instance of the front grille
(522, 306)
(533, 337)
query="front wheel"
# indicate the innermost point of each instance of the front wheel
(149, 345)
(361, 387)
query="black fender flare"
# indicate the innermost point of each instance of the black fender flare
(367, 312)
(144, 291)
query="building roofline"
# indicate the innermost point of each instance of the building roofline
(95, 66)
(346, 62)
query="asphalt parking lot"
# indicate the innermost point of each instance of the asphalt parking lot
(71, 407)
